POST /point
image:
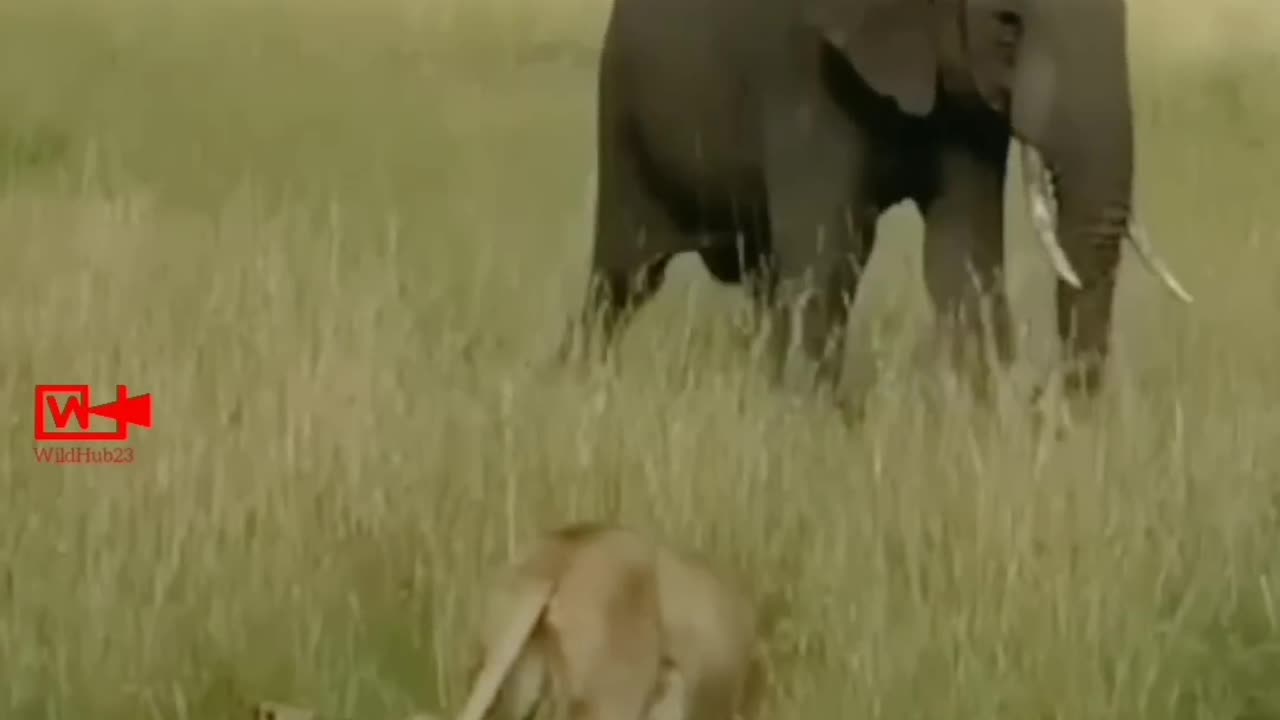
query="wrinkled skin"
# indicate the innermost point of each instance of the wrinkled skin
(770, 135)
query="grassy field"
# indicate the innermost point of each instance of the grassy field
(336, 241)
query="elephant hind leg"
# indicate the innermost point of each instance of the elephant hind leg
(744, 258)
(728, 259)
(636, 235)
(614, 295)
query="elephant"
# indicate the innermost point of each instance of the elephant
(769, 136)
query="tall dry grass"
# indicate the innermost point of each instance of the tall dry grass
(335, 240)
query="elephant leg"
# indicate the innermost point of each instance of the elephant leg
(964, 258)
(762, 288)
(613, 296)
(820, 230)
(635, 239)
(744, 258)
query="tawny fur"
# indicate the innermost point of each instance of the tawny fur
(610, 625)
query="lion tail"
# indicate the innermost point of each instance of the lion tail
(502, 655)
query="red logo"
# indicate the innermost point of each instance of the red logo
(58, 405)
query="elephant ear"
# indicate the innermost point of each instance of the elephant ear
(1012, 73)
(993, 32)
(889, 42)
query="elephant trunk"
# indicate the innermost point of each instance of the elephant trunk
(1071, 107)
(1093, 216)
(1081, 209)
(1081, 214)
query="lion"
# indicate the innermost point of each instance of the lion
(611, 625)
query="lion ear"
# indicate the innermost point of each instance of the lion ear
(889, 42)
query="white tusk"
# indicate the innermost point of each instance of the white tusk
(1142, 244)
(1043, 214)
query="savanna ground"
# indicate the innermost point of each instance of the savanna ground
(336, 240)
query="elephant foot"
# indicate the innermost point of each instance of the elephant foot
(566, 352)
(1058, 409)
(821, 405)
(851, 409)
(806, 389)
(1046, 417)
(573, 354)
(581, 347)
(551, 365)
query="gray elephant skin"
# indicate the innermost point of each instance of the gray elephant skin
(768, 136)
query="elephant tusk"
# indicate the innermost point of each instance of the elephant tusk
(1142, 244)
(1043, 220)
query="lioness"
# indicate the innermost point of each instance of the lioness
(622, 627)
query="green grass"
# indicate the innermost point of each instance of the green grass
(337, 245)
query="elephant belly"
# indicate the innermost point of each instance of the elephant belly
(707, 171)
(677, 76)
(695, 132)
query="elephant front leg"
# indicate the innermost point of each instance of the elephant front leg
(964, 259)
(821, 238)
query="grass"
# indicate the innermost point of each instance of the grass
(336, 241)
